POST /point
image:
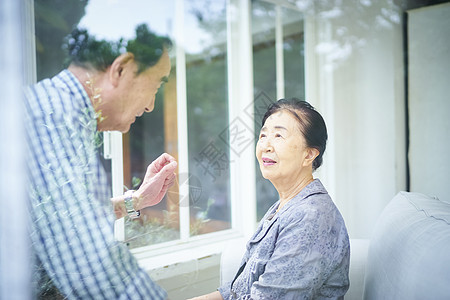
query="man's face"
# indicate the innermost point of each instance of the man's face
(136, 93)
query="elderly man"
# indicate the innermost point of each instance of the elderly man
(105, 87)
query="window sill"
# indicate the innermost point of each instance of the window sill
(172, 253)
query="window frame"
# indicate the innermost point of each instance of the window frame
(242, 168)
(240, 98)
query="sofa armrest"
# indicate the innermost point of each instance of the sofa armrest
(230, 261)
(359, 249)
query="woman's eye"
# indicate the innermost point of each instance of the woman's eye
(278, 135)
(261, 136)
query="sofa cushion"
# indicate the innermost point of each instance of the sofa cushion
(409, 253)
(231, 259)
(358, 258)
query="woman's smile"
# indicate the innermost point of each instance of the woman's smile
(268, 162)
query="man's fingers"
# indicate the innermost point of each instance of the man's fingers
(168, 157)
(164, 159)
(158, 164)
(168, 169)
(169, 181)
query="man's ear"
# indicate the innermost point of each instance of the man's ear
(311, 154)
(119, 66)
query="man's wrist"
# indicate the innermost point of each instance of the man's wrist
(131, 201)
(119, 206)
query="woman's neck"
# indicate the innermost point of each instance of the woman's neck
(289, 191)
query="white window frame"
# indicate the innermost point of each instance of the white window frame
(242, 177)
(242, 168)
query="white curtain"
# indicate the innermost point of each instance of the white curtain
(14, 247)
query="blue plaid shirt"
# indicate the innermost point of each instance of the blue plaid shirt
(72, 219)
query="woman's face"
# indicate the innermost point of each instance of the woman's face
(281, 149)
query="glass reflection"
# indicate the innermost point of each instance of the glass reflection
(264, 18)
(54, 20)
(151, 134)
(207, 105)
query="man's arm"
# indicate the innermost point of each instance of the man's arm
(158, 179)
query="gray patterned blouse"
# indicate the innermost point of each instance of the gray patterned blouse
(301, 252)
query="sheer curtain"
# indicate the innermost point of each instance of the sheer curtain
(14, 250)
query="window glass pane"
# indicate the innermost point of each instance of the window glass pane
(207, 108)
(264, 72)
(264, 77)
(54, 20)
(293, 53)
(150, 135)
(264, 65)
(155, 133)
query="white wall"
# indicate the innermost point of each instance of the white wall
(355, 77)
(429, 103)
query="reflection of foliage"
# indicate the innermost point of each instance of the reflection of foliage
(201, 218)
(135, 182)
(264, 70)
(54, 19)
(147, 137)
(207, 102)
(207, 111)
(147, 47)
(149, 231)
(345, 40)
(96, 98)
(86, 51)
(353, 22)
(210, 17)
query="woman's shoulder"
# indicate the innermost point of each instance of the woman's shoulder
(312, 203)
(313, 195)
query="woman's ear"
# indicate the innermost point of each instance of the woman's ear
(119, 66)
(311, 154)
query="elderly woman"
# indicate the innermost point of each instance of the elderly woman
(300, 249)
